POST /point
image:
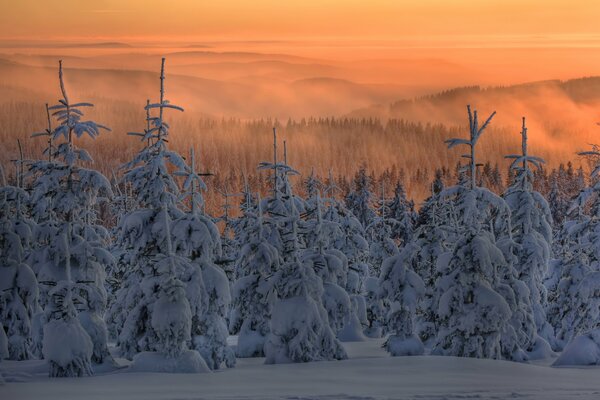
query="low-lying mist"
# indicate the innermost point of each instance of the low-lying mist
(329, 117)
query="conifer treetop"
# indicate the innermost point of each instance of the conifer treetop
(475, 132)
(521, 162)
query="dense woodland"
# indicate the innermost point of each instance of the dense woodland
(496, 262)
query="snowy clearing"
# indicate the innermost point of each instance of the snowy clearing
(369, 373)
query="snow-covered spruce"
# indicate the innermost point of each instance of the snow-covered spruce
(519, 339)
(229, 246)
(472, 314)
(531, 223)
(252, 294)
(376, 309)
(64, 197)
(66, 345)
(432, 238)
(196, 237)
(168, 313)
(330, 265)
(278, 206)
(158, 277)
(587, 305)
(351, 242)
(300, 330)
(242, 224)
(580, 261)
(18, 284)
(211, 334)
(401, 216)
(402, 287)
(381, 245)
(563, 309)
(358, 201)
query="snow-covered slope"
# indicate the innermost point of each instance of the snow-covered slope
(368, 374)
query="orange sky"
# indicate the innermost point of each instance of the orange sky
(516, 22)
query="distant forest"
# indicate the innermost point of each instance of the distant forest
(390, 151)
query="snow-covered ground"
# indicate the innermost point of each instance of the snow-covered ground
(369, 373)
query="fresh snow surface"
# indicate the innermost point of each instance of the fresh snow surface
(369, 373)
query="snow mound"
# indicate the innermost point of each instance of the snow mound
(583, 350)
(189, 362)
(352, 330)
(411, 346)
(540, 350)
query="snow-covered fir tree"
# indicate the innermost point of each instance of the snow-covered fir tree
(587, 305)
(330, 265)
(381, 245)
(163, 293)
(403, 288)
(64, 196)
(401, 215)
(18, 284)
(313, 187)
(300, 330)
(66, 345)
(196, 237)
(229, 246)
(253, 295)
(433, 236)
(564, 301)
(352, 243)
(471, 313)
(571, 289)
(531, 223)
(358, 201)
(277, 206)
(558, 203)
(241, 224)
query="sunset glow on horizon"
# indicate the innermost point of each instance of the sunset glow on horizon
(270, 59)
(431, 21)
